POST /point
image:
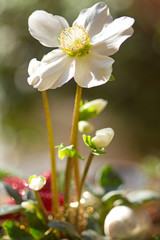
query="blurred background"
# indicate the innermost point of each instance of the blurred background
(133, 110)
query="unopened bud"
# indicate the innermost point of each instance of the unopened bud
(103, 137)
(100, 141)
(28, 205)
(109, 132)
(85, 127)
(97, 104)
(36, 182)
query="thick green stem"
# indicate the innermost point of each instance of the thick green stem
(41, 205)
(73, 140)
(55, 199)
(90, 158)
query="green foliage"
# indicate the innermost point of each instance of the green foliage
(68, 151)
(15, 232)
(88, 141)
(92, 235)
(109, 179)
(13, 193)
(65, 227)
(9, 209)
(37, 226)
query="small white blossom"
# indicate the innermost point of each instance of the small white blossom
(84, 49)
(36, 183)
(98, 105)
(85, 127)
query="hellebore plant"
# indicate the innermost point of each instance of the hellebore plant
(82, 51)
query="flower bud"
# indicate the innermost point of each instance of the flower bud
(34, 64)
(97, 104)
(100, 141)
(36, 182)
(103, 137)
(109, 132)
(85, 127)
(28, 205)
(126, 223)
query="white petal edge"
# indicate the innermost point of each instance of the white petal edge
(94, 18)
(46, 28)
(93, 70)
(54, 74)
(109, 40)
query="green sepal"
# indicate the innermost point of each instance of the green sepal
(88, 141)
(67, 151)
(112, 78)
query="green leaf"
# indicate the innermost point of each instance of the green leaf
(112, 78)
(109, 179)
(65, 227)
(15, 232)
(141, 196)
(13, 193)
(92, 235)
(68, 151)
(37, 226)
(9, 209)
(88, 141)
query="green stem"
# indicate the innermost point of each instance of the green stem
(90, 158)
(73, 140)
(41, 205)
(55, 199)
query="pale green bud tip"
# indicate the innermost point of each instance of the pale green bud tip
(97, 104)
(36, 182)
(85, 127)
(27, 205)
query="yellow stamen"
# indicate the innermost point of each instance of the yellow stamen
(75, 41)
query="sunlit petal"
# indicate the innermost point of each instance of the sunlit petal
(94, 18)
(108, 41)
(46, 28)
(93, 70)
(54, 74)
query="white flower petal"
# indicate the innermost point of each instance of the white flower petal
(108, 41)
(94, 18)
(93, 70)
(54, 74)
(46, 28)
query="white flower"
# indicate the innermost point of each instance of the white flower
(103, 137)
(36, 183)
(85, 126)
(83, 49)
(98, 105)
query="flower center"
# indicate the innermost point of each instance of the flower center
(74, 41)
